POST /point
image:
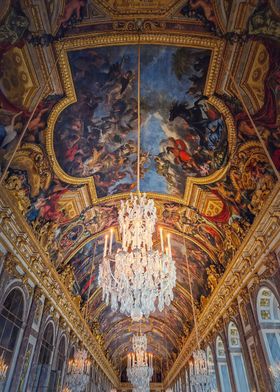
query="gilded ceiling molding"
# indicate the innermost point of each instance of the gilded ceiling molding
(98, 40)
(138, 8)
(262, 238)
(20, 239)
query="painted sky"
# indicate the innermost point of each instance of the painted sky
(181, 134)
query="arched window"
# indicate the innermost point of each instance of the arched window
(236, 355)
(11, 318)
(222, 365)
(211, 366)
(44, 361)
(269, 318)
(60, 363)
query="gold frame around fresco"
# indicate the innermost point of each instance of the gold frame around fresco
(98, 40)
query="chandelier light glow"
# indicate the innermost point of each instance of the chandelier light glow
(137, 279)
(78, 371)
(140, 365)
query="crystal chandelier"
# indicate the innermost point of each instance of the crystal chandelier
(141, 275)
(202, 378)
(77, 377)
(140, 365)
(137, 275)
(275, 371)
(3, 368)
(202, 375)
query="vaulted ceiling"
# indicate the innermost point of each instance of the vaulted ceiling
(201, 159)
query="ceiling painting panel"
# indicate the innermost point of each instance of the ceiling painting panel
(185, 136)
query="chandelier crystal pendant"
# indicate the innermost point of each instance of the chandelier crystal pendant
(137, 275)
(77, 377)
(140, 365)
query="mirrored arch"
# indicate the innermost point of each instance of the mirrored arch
(236, 356)
(222, 365)
(11, 320)
(268, 311)
(43, 371)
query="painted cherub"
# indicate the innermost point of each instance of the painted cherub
(70, 8)
(207, 8)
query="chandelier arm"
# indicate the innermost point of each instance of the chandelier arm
(113, 276)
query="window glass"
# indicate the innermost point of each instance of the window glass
(240, 375)
(43, 367)
(225, 381)
(10, 324)
(274, 345)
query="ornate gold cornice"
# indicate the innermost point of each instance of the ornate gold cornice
(261, 240)
(23, 246)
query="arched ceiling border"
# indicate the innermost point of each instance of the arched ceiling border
(102, 233)
(100, 40)
(125, 321)
(172, 337)
(173, 341)
(136, 13)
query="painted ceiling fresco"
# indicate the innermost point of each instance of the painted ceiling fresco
(182, 135)
(201, 159)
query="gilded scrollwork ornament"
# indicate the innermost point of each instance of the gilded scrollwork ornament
(254, 283)
(14, 184)
(67, 277)
(272, 265)
(10, 264)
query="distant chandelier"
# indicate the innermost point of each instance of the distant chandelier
(202, 375)
(202, 378)
(275, 371)
(140, 365)
(3, 368)
(78, 372)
